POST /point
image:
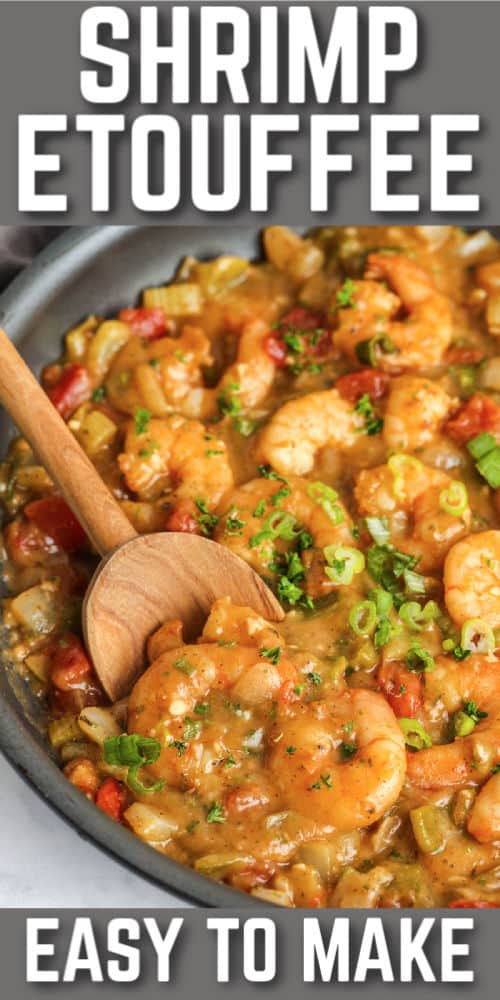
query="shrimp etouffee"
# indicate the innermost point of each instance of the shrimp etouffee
(330, 413)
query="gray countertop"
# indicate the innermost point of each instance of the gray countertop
(45, 863)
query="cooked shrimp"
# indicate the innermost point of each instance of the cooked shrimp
(264, 516)
(468, 759)
(178, 454)
(420, 504)
(343, 789)
(164, 700)
(303, 427)
(164, 375)
(167, 375)
(472, 579)
(419, 340)
(416, 409)
(484, 818)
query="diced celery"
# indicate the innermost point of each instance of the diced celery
(185, 299)
(429, 828)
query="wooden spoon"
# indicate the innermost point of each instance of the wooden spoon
(143, 580)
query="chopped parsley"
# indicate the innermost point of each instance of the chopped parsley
(314, 678)
(207, 521)
(347, 750)
(344, 295)
(324, 779)
(141, 418)
(215, 813)
(373, 424)
(291, 750)
(228, 403)
(260, 508)
(184, 666)
(99, 394)
(394, 570)
(272, 654)
(178, 745)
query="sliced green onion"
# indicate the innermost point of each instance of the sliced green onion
(379, 529)
(414, 582)
(453, 499)
(477, 636)
(463, 724)
(279, 524)
(415, 617)
(489, 468)
(481, 445)
(399, 464)
(363, 618)
(383, 601)
(368, 351)
(326, 498)
(344, 563)
(414, 733)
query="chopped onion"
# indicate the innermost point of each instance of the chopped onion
(150, 823)
(98, 724)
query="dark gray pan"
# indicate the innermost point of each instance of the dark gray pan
(99, 269)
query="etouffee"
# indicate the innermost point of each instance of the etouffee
(331, 413)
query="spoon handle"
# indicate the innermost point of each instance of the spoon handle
(67, 464)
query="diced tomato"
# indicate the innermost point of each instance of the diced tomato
(472, 904)
(74, 683)
(71, 390)
(276, 348)
(368, 381)
(303, 319)
(150, 324)
(464, 356)
(54, 518)
(183, 518)
(478, 415)
(402, 688)
(112, 799)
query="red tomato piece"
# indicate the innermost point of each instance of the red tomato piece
(112, 799)
(53, 516)
(402, 688)
(368, 381)
(150, 324)
(183, 518)
(303, 319)
(74, 684)
(464, 356)
(472, 904)
(276, 348)
(478, 415)
(71, 390)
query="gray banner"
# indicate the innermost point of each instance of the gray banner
(456, 74)
(289, 953)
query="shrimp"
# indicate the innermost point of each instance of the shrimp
(472, 579)
(303, 426)
(178, 454)
(416, 409)
(162, 374)
(418, 502)
(484, 818)
(419, 340)
(261, 519)
(167, 375)
(341, 788)
(468, 759)
(240, 680)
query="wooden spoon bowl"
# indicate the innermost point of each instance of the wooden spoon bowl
(143, 580)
